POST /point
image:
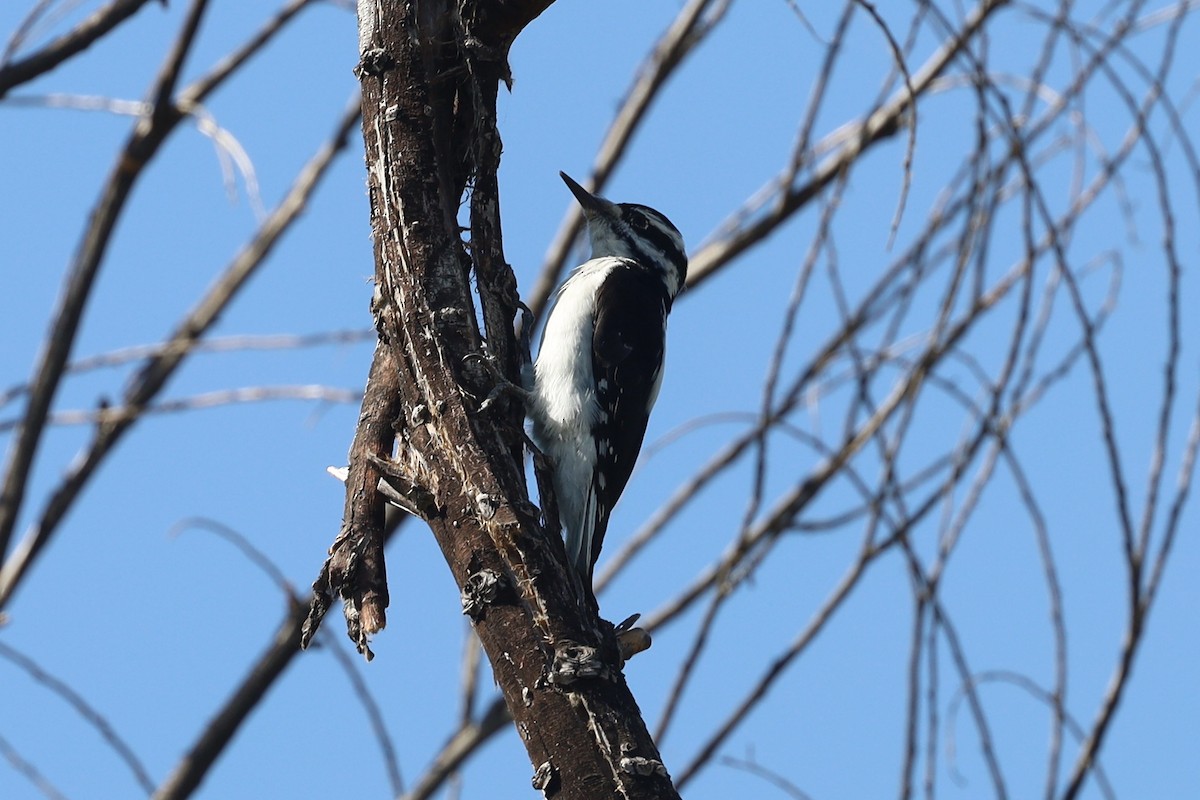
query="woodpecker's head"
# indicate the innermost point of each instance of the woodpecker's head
(629, 230)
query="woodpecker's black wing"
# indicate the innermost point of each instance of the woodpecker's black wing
(628, 343)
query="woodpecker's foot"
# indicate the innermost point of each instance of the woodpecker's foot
(631, 640)
(503, 387)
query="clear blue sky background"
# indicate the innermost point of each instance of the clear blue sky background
(155, 630)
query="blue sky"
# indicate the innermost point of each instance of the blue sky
(155, 630)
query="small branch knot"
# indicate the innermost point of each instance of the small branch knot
(481, 590)
(419, 414)
(545, 779)
(374, 61)
(642, 766)
(573, 662)
(486, 505)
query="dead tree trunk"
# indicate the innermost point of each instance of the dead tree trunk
(430, 71)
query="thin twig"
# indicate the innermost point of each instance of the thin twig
(103, 20)
(29, 771)
(387, 748)
(82, 707)
(222, 344)
(113, 415)
(143, 143)
(153, 376)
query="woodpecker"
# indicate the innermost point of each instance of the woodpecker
(600, 363)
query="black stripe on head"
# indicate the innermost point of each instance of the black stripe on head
(650, 212)
(642, 222)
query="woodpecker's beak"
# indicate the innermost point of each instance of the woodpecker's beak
(591, 204)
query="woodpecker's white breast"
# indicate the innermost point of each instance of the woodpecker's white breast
(564, 394)
(565, 409)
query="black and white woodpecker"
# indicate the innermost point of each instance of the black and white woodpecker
(600, 364)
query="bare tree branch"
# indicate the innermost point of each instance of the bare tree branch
(223, 344)
(253, 394)
(154, 375)
(81, 706)
(142, 145)
(736, 236)
(194, 766)
(103, 20)
(29, 771)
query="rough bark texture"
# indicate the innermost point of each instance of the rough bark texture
(429, 73)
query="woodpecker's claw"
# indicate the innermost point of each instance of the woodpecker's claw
(503, 386)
